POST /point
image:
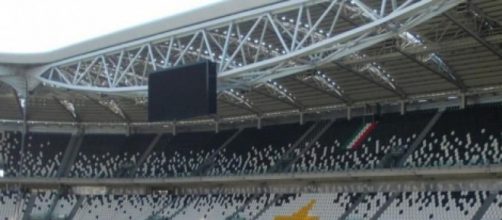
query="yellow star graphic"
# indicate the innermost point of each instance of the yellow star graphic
(301, 214)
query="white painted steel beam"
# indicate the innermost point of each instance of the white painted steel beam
(251, 47)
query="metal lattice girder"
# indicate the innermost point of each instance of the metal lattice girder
(251, 47)
(323, 83)
(279, 92)
(432, 62)
(238, 99)
(396, 90)
(475, 34)
(69, 107)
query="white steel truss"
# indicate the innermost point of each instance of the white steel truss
(280, 92)
(250, 48)
(324, 82)
(237, 98)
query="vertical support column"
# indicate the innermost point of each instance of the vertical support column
(29, 206)
(216, 126)
(463, 101)
(22, 101)
(403, 107)
(301, 118)
(258, 125)
(349, 112)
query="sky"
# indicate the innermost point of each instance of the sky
(38, 26)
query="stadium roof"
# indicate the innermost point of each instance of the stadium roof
(276, 58)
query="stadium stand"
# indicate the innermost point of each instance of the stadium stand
(435, 205)
(393, 132)
(326, 206)
(108, 155)
(257, 150)
(42, 204)
(64, 206)
(256, 204)
(452, 142)
(369, 205)
(407, 205)
(326, 110)
(44, 153)
(215, 206)
(119, 206)
(11, 204)
(495, 209)
(182, 154)
(9, 152)
(461, 138)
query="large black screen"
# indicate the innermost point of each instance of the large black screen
(182, 92)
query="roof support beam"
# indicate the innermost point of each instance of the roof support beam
(476, 36)
(120, 114)
(409, 38)
(456, 82)
(344, 99)
(398, 91)
(118, 69)
(68, 108)
(21, 104)
(293, 104)
(243, 107)
(238, 99)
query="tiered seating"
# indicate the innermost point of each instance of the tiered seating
(257, 204)
(64, 206)
(216, 206)
(369, 205)
(325, 205)
(462, 137)
(120, 206)
(12, 204)
(108, 155)
(175, 203)
(182, 154)
(42, 204)
(257, 150)
(435, 205)
(408, 205)
(10, 145)
(321, 155)
(494, 212)
(44, 153)
(393, 131)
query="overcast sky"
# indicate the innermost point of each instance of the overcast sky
(34, 26)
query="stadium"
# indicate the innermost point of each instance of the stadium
(323, 110)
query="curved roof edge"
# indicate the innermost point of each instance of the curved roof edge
(210, 12)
